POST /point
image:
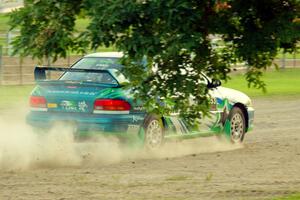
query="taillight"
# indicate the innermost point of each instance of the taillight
(38, 102)
(107, 105)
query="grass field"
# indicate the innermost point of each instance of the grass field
(11, 95)
(291, 197)
(283, 83)
(289, 55)
(81, 23)
(4, 27)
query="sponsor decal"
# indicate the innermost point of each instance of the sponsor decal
(68, 105)
(72, 92)
(136, 118)
(73, 106)
(82, 106)
(133, 128)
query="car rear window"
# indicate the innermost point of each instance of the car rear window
(94, 63)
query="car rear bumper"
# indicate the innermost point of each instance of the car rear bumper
(86, 122)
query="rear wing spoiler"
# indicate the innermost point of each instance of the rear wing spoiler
(40, 71)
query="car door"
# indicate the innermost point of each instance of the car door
(212, 122)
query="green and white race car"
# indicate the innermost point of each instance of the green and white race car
(90, 96)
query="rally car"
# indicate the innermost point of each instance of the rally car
(91, 97)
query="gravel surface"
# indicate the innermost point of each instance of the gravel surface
(267, 165)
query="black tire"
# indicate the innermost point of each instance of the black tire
(154, 132)
(237, 125)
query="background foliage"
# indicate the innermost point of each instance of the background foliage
(178, 37)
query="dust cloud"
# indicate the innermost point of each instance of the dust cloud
(194, 146)
(21, 148)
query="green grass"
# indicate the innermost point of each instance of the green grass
(81, 23)
(80, 26)
(282, 83)
(12, 95)
(4, 27)
(289, 55)
(290, 197)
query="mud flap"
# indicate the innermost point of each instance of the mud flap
(227, 128)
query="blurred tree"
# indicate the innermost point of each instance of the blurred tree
(179, 36)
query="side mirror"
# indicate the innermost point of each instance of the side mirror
(214, 83)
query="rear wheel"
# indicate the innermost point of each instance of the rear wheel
(154, 132)
(237, 125)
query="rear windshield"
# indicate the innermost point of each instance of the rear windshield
(94, 63)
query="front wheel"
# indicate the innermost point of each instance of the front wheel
(154, 133)
(237, 125)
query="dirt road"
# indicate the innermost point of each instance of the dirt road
(267, 165)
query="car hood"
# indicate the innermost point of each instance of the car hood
(235, 96)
